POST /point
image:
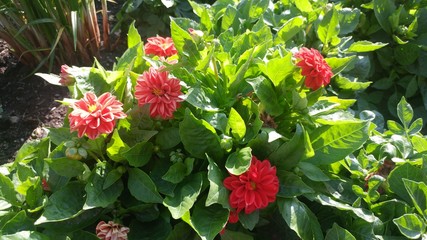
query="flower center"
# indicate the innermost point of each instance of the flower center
(157, 92)
(92, 108)
(252, 185)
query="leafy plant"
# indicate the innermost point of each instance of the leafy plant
(44, 33)
(169, 146)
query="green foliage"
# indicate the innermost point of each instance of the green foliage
(340, 174)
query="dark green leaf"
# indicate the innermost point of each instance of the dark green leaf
(140, 154)
(25, 235)
(292, 185)
(411, 225)
(209, 221)
(66, 167)
(168, 138)
(383, 9)
(142, 187)
(249, 221)
(418, 193)
(266, 93)
(312, 172)
(396, 183)
(20, 222)
(217, 192)
(176, 173)
(338, 233)
(7, 191)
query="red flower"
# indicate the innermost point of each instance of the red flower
(94, 116)
(160, 91)
(45, 185)
(254, 189)
(162, 47)
(111, 231)
(314, 67)
(67, 78)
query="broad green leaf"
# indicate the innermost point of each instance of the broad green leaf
(338, 233)
(116, 147)
(66, 203)
(184, 43)
(339, 64)
(291, 185)
(329, 28)
(346, 84)
(418, 193)
(277, 70)
(237, 124)
(7, 191)
(97, 195)
(185, 195)
(416, 126)
(127, 60)
(396, 183)
(407, 54)
(20, 222)
(249, 221)
(239, 162)
(383, 9)
(290, 28)
(395, 127)
(410, 225)
(199, 98)
(168, 138)
(362, 213)
(405, 112)
(133, 36)
(333, 143)
(209, 221)
(112, 177)
(217, 192)
(304, 6)
(158, 229)
(176, 173)
(312, 172)
(266, 93)
(257, 8)
(25, 235)
(419, 143)
(365, 46)
(142, 187)
(65, 166)
(229, 19)
(140, 154)
(288, 155)
(389, 209)
(348, 19)
(199, 137)
(300, 218)
(233, 235)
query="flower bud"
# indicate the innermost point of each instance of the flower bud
(67, 78)
(72, 153)
(226, 143)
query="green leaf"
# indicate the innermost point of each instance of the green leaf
(329, 28)
(291, 185)
(277, 69)
(395, 127)
(419, 143)
(338, 233)
(176, 173)
(199, 137)
(209, 221)
(304, 6)
(217, 192)
(7, 191)
(97, 195)
(199, 98)
(239, 162)
(365, 46)
(333, 143)
(266, 93)
(405, 112)
(346, 84)
(142, 187)
(418, 193)
(407, 54)
(396, 183)
(25, 235)
(116, 147)
(349, 19)
(184, 43)
(237, 124)
(249, 221)
(290, 28)
(389, 209)
(185, 195)
(300, 218)
(230, 19)
(168, 138)
(312, 172)
(65, 166)
(112, 177)
(339, 64)
(140, 154)
(288, 155)
(66, 203)
(410, 225)
(383, 9)
(19, 222)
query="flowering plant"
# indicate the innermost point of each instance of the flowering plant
(234, 130)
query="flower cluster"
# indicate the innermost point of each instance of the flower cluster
(314, 67)
(252, 190)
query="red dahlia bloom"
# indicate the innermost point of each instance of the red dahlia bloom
(94, 116)
(314, 67)
(162, 47)
(160, 91)
(254, 189)
(111, 231)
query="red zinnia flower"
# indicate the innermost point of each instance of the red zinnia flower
(162, 47)
(94, 116)
(160, 91)
(254, 189)
(314, 67)
(111, 231)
